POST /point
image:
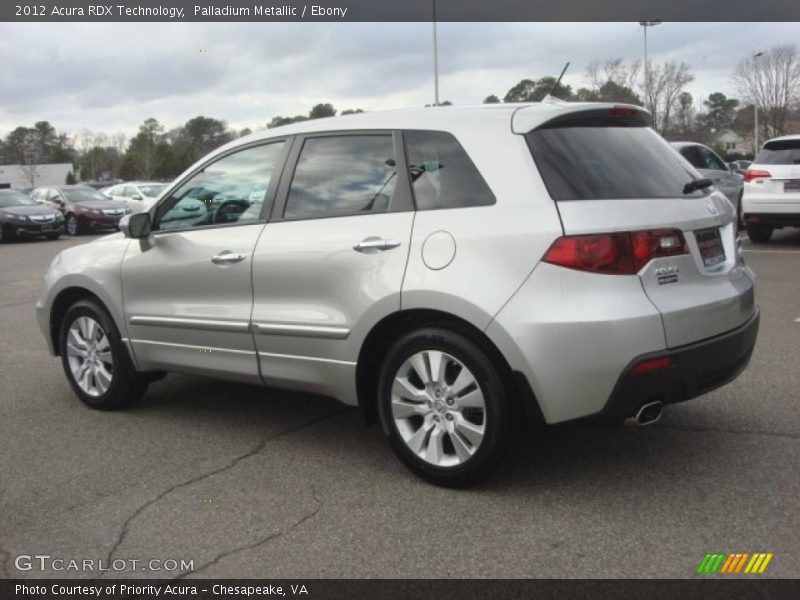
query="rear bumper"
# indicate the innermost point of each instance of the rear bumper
(695, 369)
(772, 219)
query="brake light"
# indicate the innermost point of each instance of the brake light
(623, 111)
(651, 365)
(615, 253)
(752, 174)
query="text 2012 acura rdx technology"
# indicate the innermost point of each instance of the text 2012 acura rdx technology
(449, 270)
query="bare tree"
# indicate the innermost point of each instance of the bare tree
(772, 82)
(665, 84)
(31, 156)
(615, 70)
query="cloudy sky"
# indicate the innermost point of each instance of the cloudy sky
(110, 77)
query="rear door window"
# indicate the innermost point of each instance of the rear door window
(343, 175)
(780, 152)
(598, 159)
(442, 174)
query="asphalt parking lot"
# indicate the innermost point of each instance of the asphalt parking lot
(253, 482)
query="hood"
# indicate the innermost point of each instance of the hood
(29, 210)
(100, 205)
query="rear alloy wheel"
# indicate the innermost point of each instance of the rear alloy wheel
(95, 360)
(759, 234)
(444, 407)
(73, 225)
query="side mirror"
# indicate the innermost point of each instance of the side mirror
(136, 197)
(136, 226)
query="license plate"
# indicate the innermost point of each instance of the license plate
(710, 245)
(47, 228)
(791, 185)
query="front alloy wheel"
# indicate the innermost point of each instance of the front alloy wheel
(95, 360)
(444, 407)
(89, 356)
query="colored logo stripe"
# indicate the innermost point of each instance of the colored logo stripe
(734, 563)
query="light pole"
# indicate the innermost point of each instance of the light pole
(645, 25)
(755, 110)
(435, 60)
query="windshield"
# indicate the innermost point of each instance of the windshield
(152, 190)
(84, 195)
(9, 199)
(782, 152)
(600, 160)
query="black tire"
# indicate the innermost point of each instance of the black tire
(72, 225)
(759, 234)
(126, 387)
(6, 235)
(739, 219)
(497, 415)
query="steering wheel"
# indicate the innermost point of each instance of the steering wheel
(229, 211)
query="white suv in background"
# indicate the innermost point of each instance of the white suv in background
(772, 189)
(448, 270)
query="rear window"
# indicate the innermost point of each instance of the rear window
(782, 152)
(594, 159)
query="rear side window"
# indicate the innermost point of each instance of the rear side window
(782, 152)
(442, 174)
(344, 175)
(600, 160)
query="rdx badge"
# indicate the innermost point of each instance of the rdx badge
(667, 274)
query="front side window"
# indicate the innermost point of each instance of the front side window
(713, 161)
(343, 175)
(230, 190)
(442, 174)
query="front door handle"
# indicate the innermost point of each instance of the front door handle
(374, 243)
(227, 258)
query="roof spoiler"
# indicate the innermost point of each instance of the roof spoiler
(553, 112)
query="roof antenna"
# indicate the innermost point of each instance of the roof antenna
(549, 97)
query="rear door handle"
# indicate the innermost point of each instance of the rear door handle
(227, 258)
(372, 243)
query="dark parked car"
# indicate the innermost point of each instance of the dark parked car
(21, 216)
(84, 208)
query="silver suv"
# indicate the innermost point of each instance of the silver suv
(452, 271)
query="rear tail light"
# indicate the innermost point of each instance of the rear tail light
(752, 174)
(615, 253)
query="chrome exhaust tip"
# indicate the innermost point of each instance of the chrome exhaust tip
(648, 413)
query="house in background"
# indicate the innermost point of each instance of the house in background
(26, 176)
(731, 142)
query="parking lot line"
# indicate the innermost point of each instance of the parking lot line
(771, 251)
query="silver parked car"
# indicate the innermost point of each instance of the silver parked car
(448, 270)
(709, 164)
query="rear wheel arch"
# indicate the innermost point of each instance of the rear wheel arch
(386, 332)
